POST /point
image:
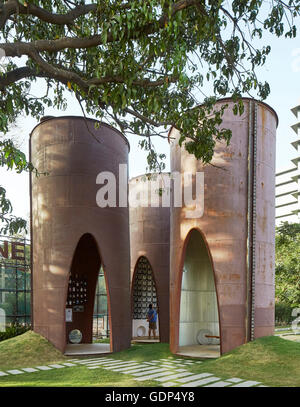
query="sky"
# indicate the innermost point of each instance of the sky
(282, 71)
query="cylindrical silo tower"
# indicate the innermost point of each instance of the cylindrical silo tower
(73, 235)
(222, 255)
(150, 248)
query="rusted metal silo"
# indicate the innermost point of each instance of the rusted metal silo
(72, 236)
(150, 249)
(232, 242)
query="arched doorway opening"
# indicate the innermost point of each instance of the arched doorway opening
(87, 327)
(101, 328)
(143, 293)
(199, 332)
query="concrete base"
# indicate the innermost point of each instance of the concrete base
(200, 351)
(81, 349)
(140, 328)
(144, 339)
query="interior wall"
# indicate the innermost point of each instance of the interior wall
(144, 293)
(85, 267)
(198, 303)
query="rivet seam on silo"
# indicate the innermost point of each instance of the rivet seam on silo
(251, 241)
(252, 211)
(254, 224)
(249, 216)
(31, 239)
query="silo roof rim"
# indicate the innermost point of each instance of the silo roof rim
(244, 99)
(81, 117)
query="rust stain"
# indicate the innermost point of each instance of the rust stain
(235, 277)
(263, 117)
(264, 220)
(263, 120)
(228, 154)
(219, 213)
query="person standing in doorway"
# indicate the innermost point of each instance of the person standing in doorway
(152, 318)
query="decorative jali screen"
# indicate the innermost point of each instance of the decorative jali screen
(144, 291)
(77, 291)
(78, 298)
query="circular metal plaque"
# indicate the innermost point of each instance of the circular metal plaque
(75, 336)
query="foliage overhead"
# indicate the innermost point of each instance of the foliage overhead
(141, 65)
(287, 269)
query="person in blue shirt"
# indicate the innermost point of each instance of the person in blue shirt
(152, 318)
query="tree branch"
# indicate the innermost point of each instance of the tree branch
(18, 49)
(64, 76)
(144, 118)
(14, 7)
(145, 83)
(18, 74)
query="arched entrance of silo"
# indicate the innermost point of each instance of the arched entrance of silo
(87, 320)
(143, 293)
(101, 329)
(199, 332)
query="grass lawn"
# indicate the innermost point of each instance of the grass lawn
(27, 350)
(271, 360)
(105, 340)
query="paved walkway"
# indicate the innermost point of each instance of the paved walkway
(171, 372)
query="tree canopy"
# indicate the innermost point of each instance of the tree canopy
(287, 268)
(140, 65)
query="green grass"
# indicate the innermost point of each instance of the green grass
(27, 350)
(104, 340)
(71, 377)
(271, 360)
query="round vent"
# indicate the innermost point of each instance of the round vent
(203, 337)
(141, 331)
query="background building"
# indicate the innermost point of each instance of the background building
(288, 183)
(15, 280)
